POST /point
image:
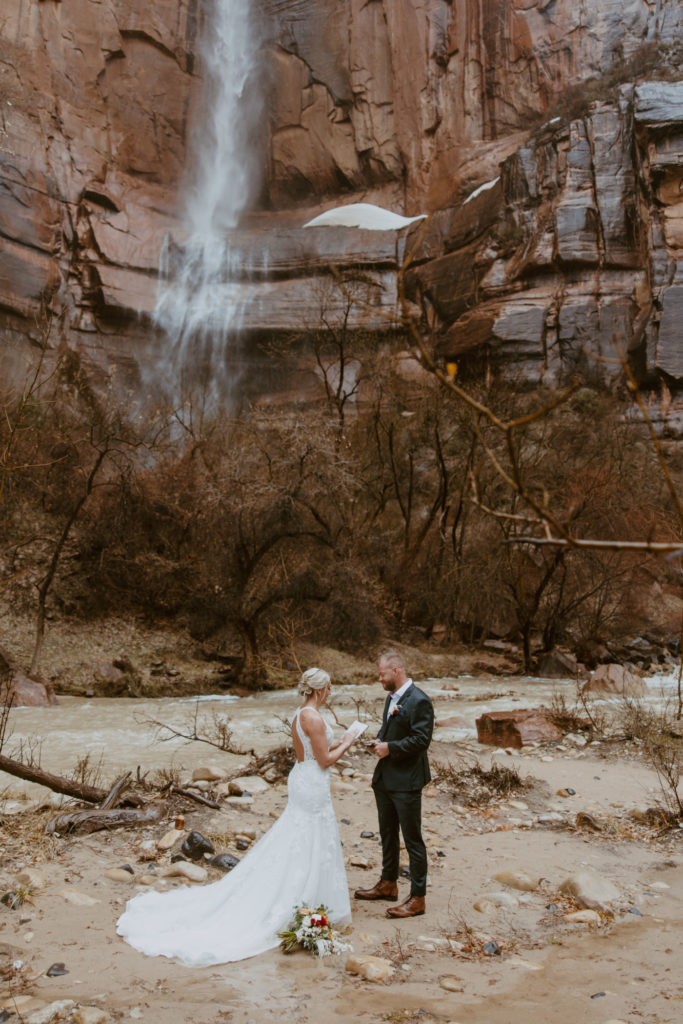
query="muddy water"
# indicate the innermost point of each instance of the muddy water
(119, 734)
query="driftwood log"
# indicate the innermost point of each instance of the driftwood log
(57, 783)
(95, 819)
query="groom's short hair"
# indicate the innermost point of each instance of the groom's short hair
(393, 658)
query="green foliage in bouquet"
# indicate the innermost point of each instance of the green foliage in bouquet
(311, 929)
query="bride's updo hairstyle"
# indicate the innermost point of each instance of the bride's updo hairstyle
(313, 679)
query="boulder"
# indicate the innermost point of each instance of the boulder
(516, 728)
(556, 665)
(615, 680)
(590, 891)
(27, 692)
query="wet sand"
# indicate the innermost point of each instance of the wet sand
(548, 970)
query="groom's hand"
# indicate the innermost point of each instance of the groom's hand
(381, 749)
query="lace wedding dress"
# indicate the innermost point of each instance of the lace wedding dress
(298, 861)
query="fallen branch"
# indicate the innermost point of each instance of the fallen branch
(57, 783)
(189, 795)
(96, 819)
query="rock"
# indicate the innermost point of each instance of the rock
(583, 917)
(248, 784)
(59, 1010)
(79, 899)
(182, 869)
(223, 861)
(170, 838)
(27, 692)
(451, 983)
(615, 680)
(557, 665)
(195, 845)
(31, 878)
(360, 862)
(56, 970)
(372, 968)
(239, 801)
(207, 773)
(590, 890)
(516, 728)
(566, 792)
(576, 739)
(498, 899)
(491, 948)
(517, 880)
(89, 1015)
(119, 875)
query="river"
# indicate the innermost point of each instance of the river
(120, 733)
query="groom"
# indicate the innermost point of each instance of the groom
(401, 772)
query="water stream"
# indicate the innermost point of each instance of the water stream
(121, 734)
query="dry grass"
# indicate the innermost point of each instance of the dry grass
(476, 786)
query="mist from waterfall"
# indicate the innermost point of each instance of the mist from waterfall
(200, 300)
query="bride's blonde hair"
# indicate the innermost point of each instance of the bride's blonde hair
(313, 679)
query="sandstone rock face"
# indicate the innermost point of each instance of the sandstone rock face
(548, 246)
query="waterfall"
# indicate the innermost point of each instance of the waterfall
(199, 303)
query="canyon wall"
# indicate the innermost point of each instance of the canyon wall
(569, 115)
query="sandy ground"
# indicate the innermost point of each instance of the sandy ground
(628, 967)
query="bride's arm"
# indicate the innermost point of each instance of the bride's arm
(314, 727)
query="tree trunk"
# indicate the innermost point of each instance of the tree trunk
(58, 784)
(253, 673)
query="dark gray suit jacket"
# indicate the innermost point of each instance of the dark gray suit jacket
(408, 733)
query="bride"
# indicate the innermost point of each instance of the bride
(298, 861)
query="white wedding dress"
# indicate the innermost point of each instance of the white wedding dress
(298, 861)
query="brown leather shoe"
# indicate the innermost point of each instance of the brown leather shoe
(384, 890)
(413, 907)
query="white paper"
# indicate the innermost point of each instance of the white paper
(356, 729)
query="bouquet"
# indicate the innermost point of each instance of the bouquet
(311, 930)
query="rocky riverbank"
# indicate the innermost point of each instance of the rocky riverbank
(555, 896)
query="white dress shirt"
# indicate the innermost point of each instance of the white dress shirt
(397, 694)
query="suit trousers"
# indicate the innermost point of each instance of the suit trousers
(402, 809)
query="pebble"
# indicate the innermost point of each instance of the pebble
(224, 861)
(118, 875)
(451, 983)
(372, 968)
(547, 819)
(359, 862)
(170, 838)
(244, 801)
(56, 970)
(517, 880)
(518, 805)
(79, 899)
(195, 845)
(566, 792)
(207, 773)
(182, 869)
(250, 784)
(546, 757)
